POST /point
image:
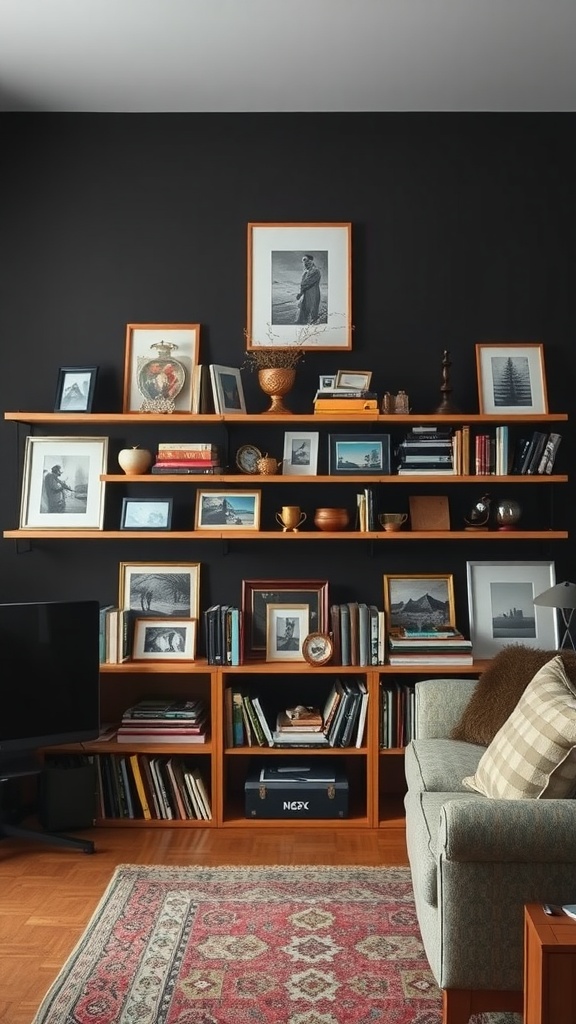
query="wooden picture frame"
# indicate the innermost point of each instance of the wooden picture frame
(61, 483)
(161, 382)
(287, 626)
(164, 639)
(75, 388)
(299, 286)
(353, 380)
(501, 606)
(227, 389)
(227, 510)
(300, 453)
(146, 514)
(421, 600)
(258, 594)
(160, 589)
(511, 378)
(359, 454)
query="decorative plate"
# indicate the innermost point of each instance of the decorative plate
(317, 648)
(246, 458)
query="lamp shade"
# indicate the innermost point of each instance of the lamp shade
(563, 595)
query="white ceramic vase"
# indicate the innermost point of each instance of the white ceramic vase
(135, 461)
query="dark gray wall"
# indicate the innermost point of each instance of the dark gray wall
(464, 230)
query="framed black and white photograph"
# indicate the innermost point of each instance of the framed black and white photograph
(227, 510)
(359, 453)
(75, 388)
(227, 389)
(159, 362)
(299, 286)
(258, 594)
(419, 601)
(160, 589)
(164, 639)
(353, 380)
(286, 629)
(511, 378)
(61, 486)
(300, 453)
(501, 606)
(146, 514)
(326, 382)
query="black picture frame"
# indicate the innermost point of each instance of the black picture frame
(359, 454)
(75, 388)
(146, 514)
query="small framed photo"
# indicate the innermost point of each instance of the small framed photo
(353, 380)
(511, 378)
(227, 389)
(286, 629)
(61, 486)
(299, 286)
(359, 453)
(160, 589)
(258, 594)
(159, 363)
(501, 606)
(146, 514)
(300, 453)
(164, 639)
(419, 601)
(227, 510)
(326, 382)
(75, 388)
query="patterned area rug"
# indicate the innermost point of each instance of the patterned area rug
(249, 945)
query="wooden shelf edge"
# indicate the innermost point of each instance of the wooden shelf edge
(354, 478)
(263, 417)
(275, 535)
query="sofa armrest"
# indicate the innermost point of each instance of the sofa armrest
(519, 831)
(439, 704)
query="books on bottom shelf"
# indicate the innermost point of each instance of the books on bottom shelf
(396, 714)
(141, 786)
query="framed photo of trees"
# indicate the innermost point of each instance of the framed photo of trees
(511, 378)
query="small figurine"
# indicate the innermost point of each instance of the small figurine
(477, 518)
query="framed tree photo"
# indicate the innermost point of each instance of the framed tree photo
(511, 378)
(299, 286)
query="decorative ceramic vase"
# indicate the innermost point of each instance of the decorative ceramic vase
(135, 461)
(508, 513)
(267, 466)
(276, 382)
(331, 519)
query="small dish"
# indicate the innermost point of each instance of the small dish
(247, 458)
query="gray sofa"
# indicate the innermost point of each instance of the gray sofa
(476, 861)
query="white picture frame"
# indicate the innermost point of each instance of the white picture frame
(300, 453)
(164, 639)
(140, 339)
(227, 389)
(353, 380)
(498, 590)
(61, 485)
(160, 589)
(287, 626)
(511, 378)
(280, 312)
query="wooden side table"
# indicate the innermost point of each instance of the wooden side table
(549, 967)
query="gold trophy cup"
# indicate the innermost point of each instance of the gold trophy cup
(290, 518)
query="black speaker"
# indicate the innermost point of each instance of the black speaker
(67, 796)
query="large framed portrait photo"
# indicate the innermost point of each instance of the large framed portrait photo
(501, 606)
(511, 378)
(61, 487)
(299, 286)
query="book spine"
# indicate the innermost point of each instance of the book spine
(174, 446)
(188, 463)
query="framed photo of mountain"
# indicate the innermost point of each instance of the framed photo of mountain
(419, 601)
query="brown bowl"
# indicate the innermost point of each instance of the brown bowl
(331, 520)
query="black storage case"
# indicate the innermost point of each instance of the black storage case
(293, 799)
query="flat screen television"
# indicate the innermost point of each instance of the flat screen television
(50, 678)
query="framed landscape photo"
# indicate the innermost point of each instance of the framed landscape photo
(75, 388)
(300, 453)
(419, 601)
(227, 389)
(146, 514)
(359, 453)
(227, 510)
(286, 628)
(160, 589)
(511, 378)
(299, 286)
(164, 639)
(353, 380)
(258, 594)
(159, 362)
(61, 485)
(501, 606)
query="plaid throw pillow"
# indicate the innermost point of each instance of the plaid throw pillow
(534, 753)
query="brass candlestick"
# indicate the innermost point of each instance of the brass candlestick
(446, 405)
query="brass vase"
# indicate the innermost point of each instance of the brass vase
(277, 382)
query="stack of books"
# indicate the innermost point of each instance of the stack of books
(426, 449)
(189, 458)
(442, 645)
(343, 400)
(164, 721)
(298, 726)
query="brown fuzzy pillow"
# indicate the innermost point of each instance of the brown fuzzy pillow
(500, 687)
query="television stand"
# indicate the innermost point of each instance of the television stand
(8, 830)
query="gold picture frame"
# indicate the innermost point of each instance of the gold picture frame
(145, 389)
(419, 600)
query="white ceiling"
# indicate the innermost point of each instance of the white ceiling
(287, 55)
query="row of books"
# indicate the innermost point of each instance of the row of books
(224, 632)
(439, 450)
(436, 646)
(366, 520)
(427, 449)
(187, 458)
(358, 634)
(397, 714)
(164, 721)
(341, 723)
(141, 786)
(116, 634)
(343, 400)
